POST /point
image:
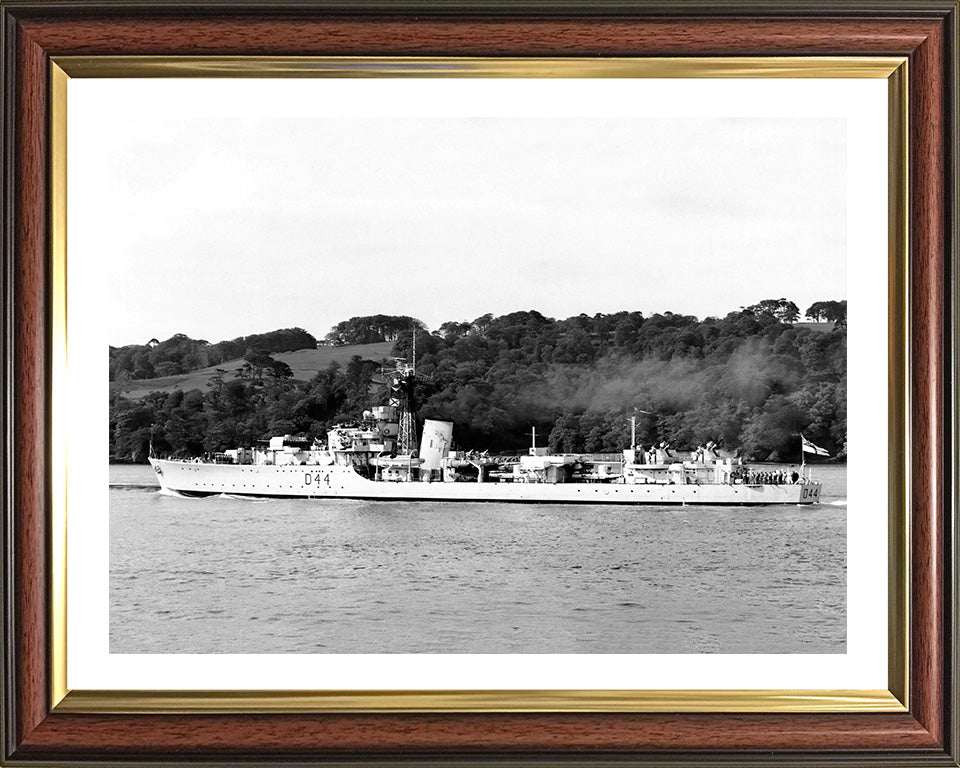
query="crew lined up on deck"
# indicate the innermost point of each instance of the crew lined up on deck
(781, 477)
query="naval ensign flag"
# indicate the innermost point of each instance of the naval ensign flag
(809, 447)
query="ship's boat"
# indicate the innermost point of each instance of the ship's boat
(378, 457)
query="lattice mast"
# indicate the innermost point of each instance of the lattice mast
(401, 396)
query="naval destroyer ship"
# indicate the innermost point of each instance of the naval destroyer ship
(377, 457)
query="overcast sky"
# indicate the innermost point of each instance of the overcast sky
(218, 226)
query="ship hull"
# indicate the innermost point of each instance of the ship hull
(323, 482)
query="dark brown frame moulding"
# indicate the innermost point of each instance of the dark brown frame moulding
(924, 32)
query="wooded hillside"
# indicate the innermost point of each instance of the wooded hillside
(750, 380)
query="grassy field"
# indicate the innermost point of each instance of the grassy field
(816, 327)
(304, 363)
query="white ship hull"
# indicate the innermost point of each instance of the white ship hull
(319, 482)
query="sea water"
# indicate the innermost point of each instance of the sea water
(238, 575)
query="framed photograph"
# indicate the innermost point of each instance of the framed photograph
(467, 383)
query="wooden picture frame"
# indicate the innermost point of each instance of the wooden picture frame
(40, 727)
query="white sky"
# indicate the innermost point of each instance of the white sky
(223, 211)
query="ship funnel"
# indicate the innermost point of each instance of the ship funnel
(435, 443)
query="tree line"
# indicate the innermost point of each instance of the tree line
(181, 354)
(752, 380)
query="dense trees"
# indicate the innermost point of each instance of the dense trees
(238, 410)
(370, 329)
(257, 364)
(830, 311)
(180, 353)
(782, 309)
(747, 379)
(750, 379)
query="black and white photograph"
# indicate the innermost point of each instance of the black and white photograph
(432, 384)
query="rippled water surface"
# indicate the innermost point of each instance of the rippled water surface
(237, 575)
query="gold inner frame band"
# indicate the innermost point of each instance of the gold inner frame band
(436, 66)
(898, 386)
(893, 69)
(729, 701)
(59, 405)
